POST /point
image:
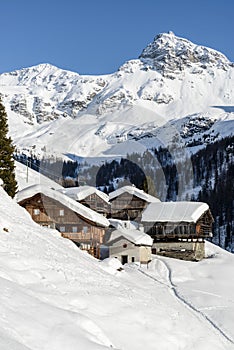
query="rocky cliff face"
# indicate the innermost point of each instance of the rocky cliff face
(170, 53)
(44, 92)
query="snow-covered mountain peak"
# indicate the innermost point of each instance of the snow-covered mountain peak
(40, 74)
(44, 92)
(62, 111)
(41, 67)
(169, 52)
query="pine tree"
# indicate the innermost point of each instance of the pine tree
(7, 173)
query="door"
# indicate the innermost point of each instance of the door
(124, 259)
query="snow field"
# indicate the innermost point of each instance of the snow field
(56, 297)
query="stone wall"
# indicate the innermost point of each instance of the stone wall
(192, 251)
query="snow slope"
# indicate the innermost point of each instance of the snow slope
(175, 89)
(26, 177)
(56, 297)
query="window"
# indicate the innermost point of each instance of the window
(133, 258)
(62, 228)
(169, 229)
(36, 211)
(74, 229)
(160, 230)
(85, 229)
(61, 212)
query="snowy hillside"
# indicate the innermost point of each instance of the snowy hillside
(175, 90)
(26, 177)
(53, 296)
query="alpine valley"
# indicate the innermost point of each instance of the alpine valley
(171, 111)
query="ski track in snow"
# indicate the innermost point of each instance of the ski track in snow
(173, 288)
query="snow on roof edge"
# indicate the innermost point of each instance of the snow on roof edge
(135, 192)
(79, 208)
(81, 192)
(174, 211)
(135, 236)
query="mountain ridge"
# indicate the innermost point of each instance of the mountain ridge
(173, 78)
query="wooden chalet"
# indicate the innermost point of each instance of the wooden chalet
(75, 221)
(90, 197)
(128, 202)
(178, 228)
(174, 220)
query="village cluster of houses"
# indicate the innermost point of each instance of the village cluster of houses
(128, 224)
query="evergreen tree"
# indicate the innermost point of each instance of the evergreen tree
(7, 173)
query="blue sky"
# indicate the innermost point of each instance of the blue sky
(96, 37)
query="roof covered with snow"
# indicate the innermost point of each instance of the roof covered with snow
(174, 211)
(135, 236)
(82, 192)
(134, 191)
(80, 209)
(119, 224)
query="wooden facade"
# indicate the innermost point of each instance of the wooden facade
(51, 213)
(127, 207)
(96, 203)
(163, 231)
